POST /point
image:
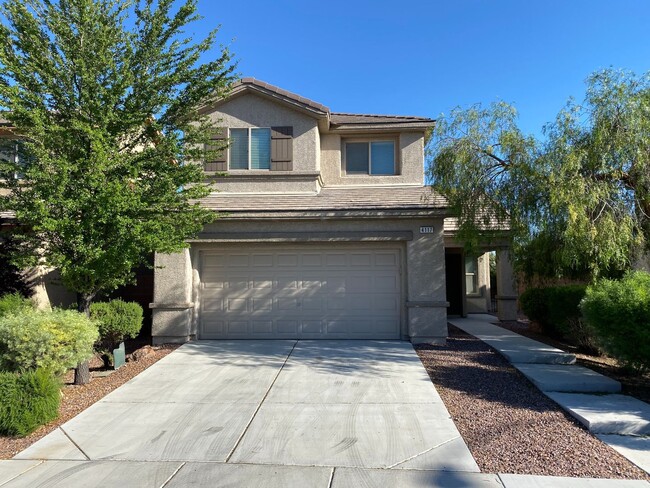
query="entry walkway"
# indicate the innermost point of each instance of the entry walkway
(620, 421)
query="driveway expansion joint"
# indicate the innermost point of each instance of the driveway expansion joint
(173, 474)
(421, 453)
(232, 451)
(74, 443)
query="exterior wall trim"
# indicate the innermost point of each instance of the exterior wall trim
(386, 236)
(171, 306)
(338, 215)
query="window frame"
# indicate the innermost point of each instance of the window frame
(474, 276)
(368, 141)
(249, 131)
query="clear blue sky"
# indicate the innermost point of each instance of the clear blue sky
(424, 57)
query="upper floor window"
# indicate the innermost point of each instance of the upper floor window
(370, 157)
(250, 148)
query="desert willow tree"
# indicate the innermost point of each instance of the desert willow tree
(577, 201)
(104, 96)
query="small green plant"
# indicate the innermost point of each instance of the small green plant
(619, 313)
(116, 320)
(14, 302)
(55, 340)
(27, 401)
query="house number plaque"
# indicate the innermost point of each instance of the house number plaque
(426, 230)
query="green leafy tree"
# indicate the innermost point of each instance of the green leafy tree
(106, 96)
(577, 202)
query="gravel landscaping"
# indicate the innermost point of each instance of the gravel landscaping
(75, 399)
(507, 423)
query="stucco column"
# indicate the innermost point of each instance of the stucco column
(506, 287)
(426, 299)
(172, 294)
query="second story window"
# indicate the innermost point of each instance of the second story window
(250, 148)
(370, 157)
(253, 148)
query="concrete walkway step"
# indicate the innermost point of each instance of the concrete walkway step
(607, 414)
(528, 481)
(636, 449)
(567, 378)
(516, 348)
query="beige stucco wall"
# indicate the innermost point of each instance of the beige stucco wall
(410, 164)
(423, 301)
(47, 289)
(250, 110)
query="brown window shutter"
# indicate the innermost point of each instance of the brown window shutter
(220, 160)
(282, 148)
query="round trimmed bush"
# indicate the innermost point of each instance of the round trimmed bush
(116, 320)
(55, 341)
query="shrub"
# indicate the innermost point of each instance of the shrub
(557, 310)
(116, 320)
(14, 302)
(564, 306)
(55, 341)
(619, 313)
(534, 303)
(27, 401)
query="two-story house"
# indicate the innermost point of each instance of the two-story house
(326, 229)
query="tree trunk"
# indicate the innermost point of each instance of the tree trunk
(82, 371)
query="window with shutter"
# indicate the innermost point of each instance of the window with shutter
(217, 160)
(254, 148)
(282, 148)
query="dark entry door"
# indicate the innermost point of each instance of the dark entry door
(453, 277)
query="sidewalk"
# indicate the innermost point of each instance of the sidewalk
(620, 421)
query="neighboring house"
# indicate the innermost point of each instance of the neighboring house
(326, 231)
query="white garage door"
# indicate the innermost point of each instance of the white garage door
(300, 293)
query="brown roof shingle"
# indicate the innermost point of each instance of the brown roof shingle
(330, 199)
(345, 118)
(272, 89)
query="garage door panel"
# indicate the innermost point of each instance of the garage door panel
(388, 259)
(262, 327)
(301, 294)
(385, 303)
(260, 283)
(262, 304)
(238, 327)
(360, 260)
(237, 305)
(287, 326)
(212, 303)
(287, 260)
(238, 261)
(386, 284)
(311, 260)
(262, 260)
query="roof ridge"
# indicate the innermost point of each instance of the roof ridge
(249, 80)
(382, 115)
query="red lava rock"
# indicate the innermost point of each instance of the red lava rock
(508, 424)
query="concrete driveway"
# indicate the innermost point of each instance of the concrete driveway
(252, 413)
